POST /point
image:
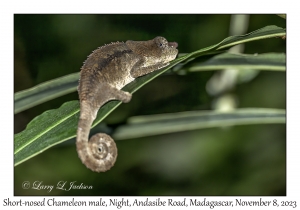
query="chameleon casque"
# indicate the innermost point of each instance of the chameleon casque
(105, 72)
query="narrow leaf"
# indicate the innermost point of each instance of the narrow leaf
(45, 91)
(282, 15)
(263, 33)
(267, 61)
(143, 126)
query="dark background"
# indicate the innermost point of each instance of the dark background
(240, 160)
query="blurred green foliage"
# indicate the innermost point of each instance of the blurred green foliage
(241, 160)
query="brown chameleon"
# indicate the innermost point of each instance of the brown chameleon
(105, 72)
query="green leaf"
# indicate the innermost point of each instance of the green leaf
(58, 125)
(263, 33)
(267, 61)
(143, 126)
(45, 91)
(46, 130)
(282, 15)
(67, 84)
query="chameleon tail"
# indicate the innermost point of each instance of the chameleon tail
(100, 152)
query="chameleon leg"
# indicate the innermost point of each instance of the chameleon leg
(141, 71)
(111, 93)
(121, 95)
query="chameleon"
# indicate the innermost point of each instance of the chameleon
(103, 74)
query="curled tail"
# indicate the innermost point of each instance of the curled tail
(100, 152)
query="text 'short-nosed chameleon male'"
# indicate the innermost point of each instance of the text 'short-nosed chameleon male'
(105, 72)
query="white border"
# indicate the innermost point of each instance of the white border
(8, 8)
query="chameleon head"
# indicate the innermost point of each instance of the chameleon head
(157, 50)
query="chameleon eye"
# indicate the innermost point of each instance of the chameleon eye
(161, 41)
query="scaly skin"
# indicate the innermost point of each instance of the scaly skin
(105, 72)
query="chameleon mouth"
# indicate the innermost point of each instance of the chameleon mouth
(173, 44)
